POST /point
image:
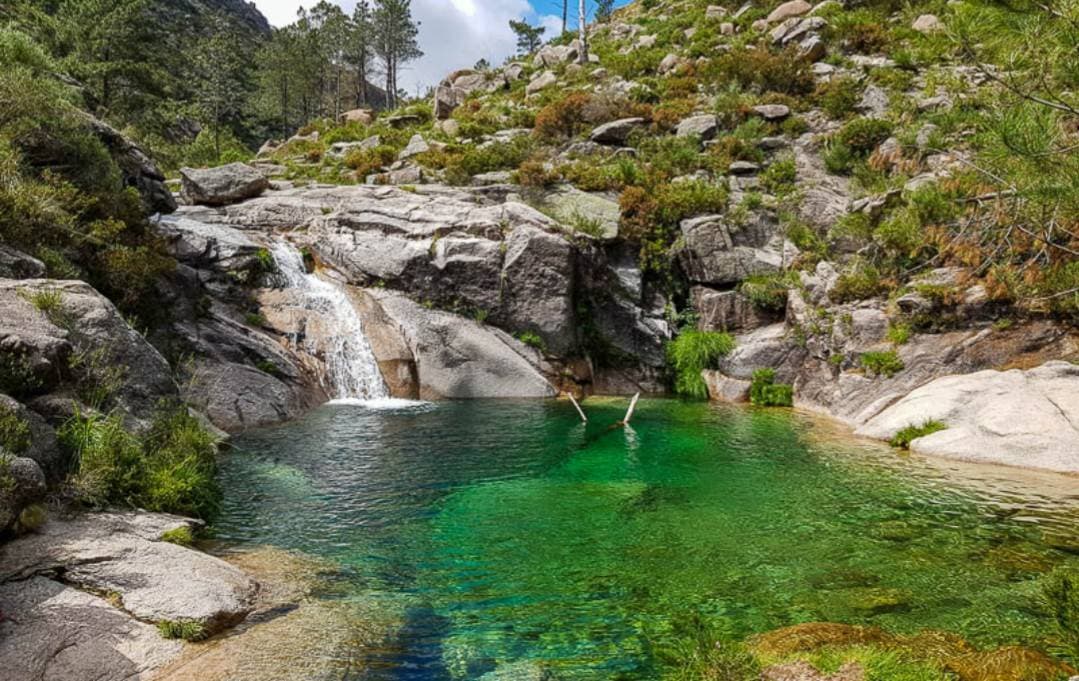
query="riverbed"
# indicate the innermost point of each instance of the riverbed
(492, 537)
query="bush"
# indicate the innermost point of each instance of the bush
(863, 135)
(181, 536)
(368, 161)
(765, 392)
(899, 333)
(187, 630)
(532, 339)
(839, 96)
(693, 351)
(911, 433)
(534, 173)
(784, 72)
(562, 119)
(779, 178)
(14, 432)
(767, 291)
(886, 363)
(171, 469)
(31, 518)
(858, 282)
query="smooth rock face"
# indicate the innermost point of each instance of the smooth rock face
(52, 632)
(460, 358)
(1021, 418)
(122, 553)
(716, 253)
(221, 186)
(567, 204)
(95, 329)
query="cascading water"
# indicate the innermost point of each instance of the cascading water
(351, 370)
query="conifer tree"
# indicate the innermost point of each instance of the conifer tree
(529, 37)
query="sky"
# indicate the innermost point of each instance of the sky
(454, 34)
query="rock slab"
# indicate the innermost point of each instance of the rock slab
(1020, 418)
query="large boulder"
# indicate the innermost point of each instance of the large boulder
(21, 483)
(792, 8)
(1020, 418)
(703, 126)
(461, 358)
(570, 206)
(139, 170)
(123, 554)
(18, 265)
(715, 252)
(40, 445)
(615, 132)
(83, 338)
(223, 185)
(54, 632)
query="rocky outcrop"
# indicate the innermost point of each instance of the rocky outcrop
(18, 265)
(222, 185)
(139, 170)
(717, 252)
(1022, 418)
(67, 338)
(123, 554)
(460, 358)
(53, 632)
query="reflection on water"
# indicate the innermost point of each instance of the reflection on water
(502, 537)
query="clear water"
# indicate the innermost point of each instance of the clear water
(351, 371)
(487, 536)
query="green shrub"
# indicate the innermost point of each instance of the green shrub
(779, 177)
(187, 630)
(532, 339)
(98, 378)
(49, 302)
(911, 433)
(863, 135)
(765, 392)
(171, 468)
(31, 518)
(899, 333)
(885, 363)
(767, 291)
(181, 536)
(839, 159)
(784, 72)
(839, 96)
(368, 161)
(902, 235)
(858, 282)
(17, 377)
(693, 351)
(256, 319)
(15, 435)
(1060, 600)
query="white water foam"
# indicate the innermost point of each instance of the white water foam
(386, 404)
(351, 370)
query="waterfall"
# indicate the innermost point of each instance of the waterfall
(351, 370)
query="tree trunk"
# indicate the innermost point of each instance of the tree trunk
(565, 14)
(582, 53)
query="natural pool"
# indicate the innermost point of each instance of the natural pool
(476, 535)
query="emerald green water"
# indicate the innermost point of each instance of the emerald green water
(478, 535)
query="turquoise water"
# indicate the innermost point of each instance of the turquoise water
(489, 536)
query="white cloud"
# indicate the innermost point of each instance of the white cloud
(454, 34)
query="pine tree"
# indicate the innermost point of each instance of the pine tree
(529, 37)
(395, 41)
(604, 8)
(361, 48)
(220, 67)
